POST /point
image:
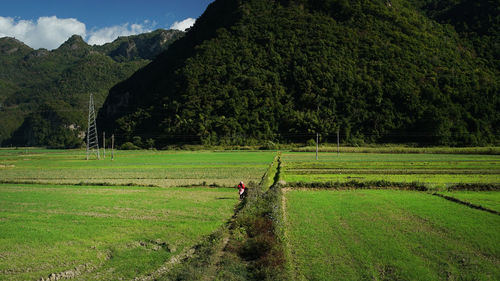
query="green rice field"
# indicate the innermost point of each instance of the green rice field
(389, 235)
(105, 233)
(158, 168)
(433, 170)
(143, 212)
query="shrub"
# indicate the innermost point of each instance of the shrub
(311, 142)
(129, 146)
(269, 145)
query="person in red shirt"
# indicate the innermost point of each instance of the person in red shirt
(241, 188)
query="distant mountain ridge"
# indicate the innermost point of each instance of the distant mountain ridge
(283, 70)
(143, 46)
(43, 93)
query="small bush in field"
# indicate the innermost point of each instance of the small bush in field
(129, 146)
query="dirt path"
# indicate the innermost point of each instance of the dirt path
(167, 266)
(69, 274)
(211, 272)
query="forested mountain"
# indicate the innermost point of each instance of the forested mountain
(380, 71)
(478, 21)
(44, 94)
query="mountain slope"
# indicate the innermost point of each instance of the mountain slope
(477, 21)
(144, 46)
(380, 71)
(41, 88)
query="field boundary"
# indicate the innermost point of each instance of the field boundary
(130, 184)
(79, 183)
(269, 177)
(255, 246)
(70, 273)
(474, 187)
(168, 265)
(468, 204)
(359, 185)
(201, 262)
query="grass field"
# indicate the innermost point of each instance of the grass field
(62, 214)
(110, 232)
(106, 233)
(389, 235)
(486, 199)
(159, 168)
(433, 170)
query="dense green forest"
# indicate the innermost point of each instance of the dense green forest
(376, 70)
(478, 21)
(44, 94)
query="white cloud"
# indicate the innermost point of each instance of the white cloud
(183, 25)
(108, 34)
(46, 32)
(51, 32)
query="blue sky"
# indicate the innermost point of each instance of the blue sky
(48, 23)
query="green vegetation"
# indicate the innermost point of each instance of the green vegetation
(399, 149)
(431, 180)
(44, 94)
(135, 221)
(248, 71)
(249, 247)
(389, 235)
(102, 233)
(432, 170)
(358, 234)
(143, 46)
(477, 21)
(254, 250)
(107, 231)
(145, 167)
(487, 199)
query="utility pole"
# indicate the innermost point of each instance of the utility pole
(104, 145)
(317, 134)
(112, 146)
(92, 140)
(338, 141)
(317, 145)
